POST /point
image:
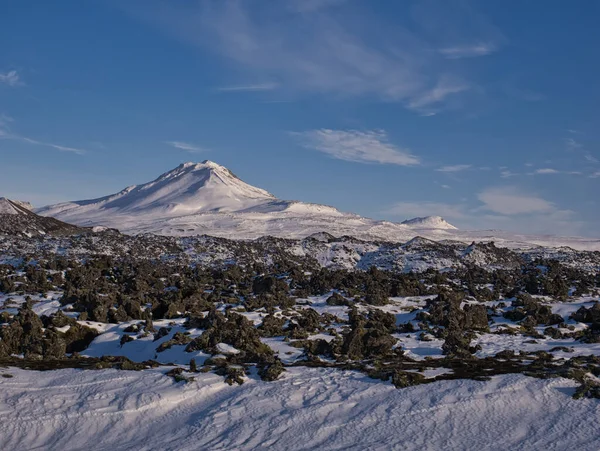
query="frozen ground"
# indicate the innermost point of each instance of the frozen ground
(306, 409)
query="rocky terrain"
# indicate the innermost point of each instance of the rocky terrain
(205, 311)
(410, 312)
(17, 219)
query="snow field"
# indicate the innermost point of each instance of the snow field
(307, 409)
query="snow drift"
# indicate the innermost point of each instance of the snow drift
(306, 409)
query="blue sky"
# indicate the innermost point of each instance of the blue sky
(483, 112)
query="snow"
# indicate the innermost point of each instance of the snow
(226, 349)
(418, 349)
(286, 353)
(306, 409)
(429, 222)
(42, 305)
(190, 188)
(7, 208)
(206, 198)
(143, 347)
(23, 204)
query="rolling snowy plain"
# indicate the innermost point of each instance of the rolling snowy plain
(306, 409)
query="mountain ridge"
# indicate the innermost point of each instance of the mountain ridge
(17, 219)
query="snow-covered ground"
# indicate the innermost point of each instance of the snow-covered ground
(307, 409)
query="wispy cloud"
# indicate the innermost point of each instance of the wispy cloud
(595, 175)
(468, 51)
(510, 201)
(5, 121)
(35, 142)
(54, 146)
(546, 171)
(10, 78)
(307, 46)
(424, 101)
(572, 144)
(5, 133)
(358, 146)
(506, 207)
(249, 88)
(191, 148)
(454, 168)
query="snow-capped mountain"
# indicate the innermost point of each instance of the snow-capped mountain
(188, 189)
(196, 198)
(207, 198)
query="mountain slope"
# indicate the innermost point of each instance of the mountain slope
(206, 198)
(187, 189)
(17, 219)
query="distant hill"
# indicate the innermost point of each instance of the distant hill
(17, 219)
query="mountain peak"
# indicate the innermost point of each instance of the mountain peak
(429, 222)
(188, 189)
(203, 165)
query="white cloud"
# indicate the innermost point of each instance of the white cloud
(323, 51)
(504, 208)
(249, 88)
(192, 148)
(6, 134)
(408, 210)
(357, 146)
(595, 175)
(45, 144)
(10, 78)
(467, 51)
(444, 88)
(546, 171)
(572, 144)
(454, 168)
(509, 201)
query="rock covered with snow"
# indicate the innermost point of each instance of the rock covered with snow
(17, 219)
(7, 207)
